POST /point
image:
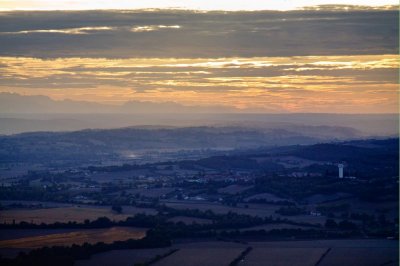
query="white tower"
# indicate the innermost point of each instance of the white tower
(340, 166)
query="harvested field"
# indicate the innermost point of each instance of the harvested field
(201, 256)
(361, 257)
(362, 252)
(78, 237)
(283, 256)
(346, 243)
(122, 257)
(288, 253)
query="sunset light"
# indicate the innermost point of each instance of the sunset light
(182, 4)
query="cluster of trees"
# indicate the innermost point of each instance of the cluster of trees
(291, 211)
(343, 225)
(333, 208)
(289, 234)
(119, 168)
(278, 202)
(139, 220)
(228, 220)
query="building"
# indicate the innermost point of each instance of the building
(340, 166)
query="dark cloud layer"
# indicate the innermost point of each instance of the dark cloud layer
(190, 34)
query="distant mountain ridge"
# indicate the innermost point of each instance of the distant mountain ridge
(19, 104)
(40, 113)
(103, 144)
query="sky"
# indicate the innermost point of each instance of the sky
(185, 4)
(330, 59)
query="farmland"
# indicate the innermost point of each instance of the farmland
(233, 189)
(362, 257)
(208, 212)
(191, 255)
(122, 257)
(338, 252)
(288, 253)
(7, 234)
(199, 133)
(75, 237)
(276, 253)
(66, 214)
(283, 256)
(57, 215)
(261, 211)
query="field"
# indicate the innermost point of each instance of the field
(66, 214)
(151, 192)
(183, 256)
(233, 189)
(390, 208)
(6, 234)
(263, 211)
(78, 237)
(200, 256)
(287, 253)
(266, 196)
(122, 257)
(283, 256)
(361, 257)
(342, 252)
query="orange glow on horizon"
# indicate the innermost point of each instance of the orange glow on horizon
(304, 83)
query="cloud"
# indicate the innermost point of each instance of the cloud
(182, 4)
(288, 61)
(82, 30)
(240, 81)
(113, 34)
(93, 30)
(154, 28)
(347, 7)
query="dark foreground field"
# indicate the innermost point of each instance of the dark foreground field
(276, 253)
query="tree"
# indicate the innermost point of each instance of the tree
(347, 225)
(330, 223)
(116, 208)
